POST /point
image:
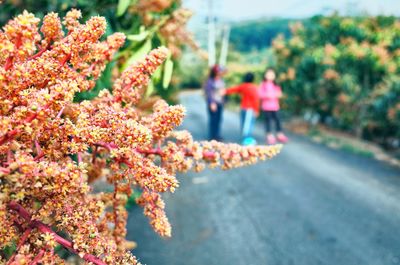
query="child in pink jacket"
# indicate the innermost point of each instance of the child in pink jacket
(270, 93)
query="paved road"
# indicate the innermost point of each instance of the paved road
(311, 205)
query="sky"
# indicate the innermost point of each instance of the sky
(237, 10)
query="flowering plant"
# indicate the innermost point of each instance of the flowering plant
(52, 148)
(147, 24)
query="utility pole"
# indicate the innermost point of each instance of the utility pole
(224, 46)
(211, 34)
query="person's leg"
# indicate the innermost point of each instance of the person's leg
(280, 135)
(218, 113)
(252, 124)
(211, 124)
(247, 123)
(242, 116)
(275, 117)
(247, 128)
(252, 140)
(268, 118)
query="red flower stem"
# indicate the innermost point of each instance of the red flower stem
(65, 59)
(9, 63)
(94, 154)
(39, 151)
(18, 225)
(60, 113)
(5, 170)
(108, 146)
(9, 157)
(38, 257)
(206, 154)
(21, 242)
(115, 207)
(79, 158)
(39, 53)
(38, 157)
(11, 260)
(31, 117)
(91, 67)
(22, 212)
(117, 99)
(156, 151)
(80, 162)
(8, 136)
(42, 85)
(24, 237)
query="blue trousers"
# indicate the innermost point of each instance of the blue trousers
(214, 122)
(247, 121)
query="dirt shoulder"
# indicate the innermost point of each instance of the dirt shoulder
(341, 140)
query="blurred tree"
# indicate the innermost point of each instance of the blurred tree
(345, 69)
(256, 35)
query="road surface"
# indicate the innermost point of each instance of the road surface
(310, 205)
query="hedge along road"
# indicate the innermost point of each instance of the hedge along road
(310, 205)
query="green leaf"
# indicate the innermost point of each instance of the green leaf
(168, 70)
(122, 7)
(150, 88)
(157, 75)
(9, 250)
(139, 54)
(138, 37)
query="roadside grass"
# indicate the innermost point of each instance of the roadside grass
(336, 142)
(341, 141)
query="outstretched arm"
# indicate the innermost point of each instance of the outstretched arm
(234, 90)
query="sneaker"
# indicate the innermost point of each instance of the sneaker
(249, 141)
(282, 138)
(271, 139)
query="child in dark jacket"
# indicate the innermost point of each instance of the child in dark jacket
(249, 107)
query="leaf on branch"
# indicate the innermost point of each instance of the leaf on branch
(168, 70)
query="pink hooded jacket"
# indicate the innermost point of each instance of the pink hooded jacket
(269, 94)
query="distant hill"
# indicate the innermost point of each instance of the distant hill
(257, 34)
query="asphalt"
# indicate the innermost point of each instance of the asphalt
(310, 205)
